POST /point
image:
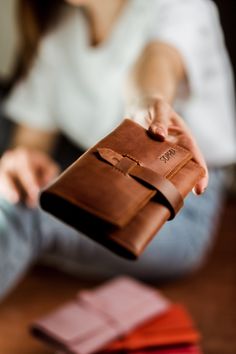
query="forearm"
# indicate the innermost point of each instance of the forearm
(158, 73)
(33, 139)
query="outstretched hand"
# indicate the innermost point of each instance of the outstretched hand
(166, 125)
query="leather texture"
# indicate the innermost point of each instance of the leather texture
(96, 317)
(122, 190)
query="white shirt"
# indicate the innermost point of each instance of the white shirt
(80, 90)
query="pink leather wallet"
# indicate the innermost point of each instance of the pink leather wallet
(96, 317)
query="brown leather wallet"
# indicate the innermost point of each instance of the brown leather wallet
(122, 190)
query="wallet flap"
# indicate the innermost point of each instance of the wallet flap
(154, 180)
(132, 140)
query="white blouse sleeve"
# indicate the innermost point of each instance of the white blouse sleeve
(31, 101)
(193, 28)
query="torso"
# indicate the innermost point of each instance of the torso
(89, 84)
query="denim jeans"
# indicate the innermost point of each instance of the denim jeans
(28, 235)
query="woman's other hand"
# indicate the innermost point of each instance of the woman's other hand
(165, 124)
(23, 172)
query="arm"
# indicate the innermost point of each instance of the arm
(156, 77)
(35, 139)
(158, 72)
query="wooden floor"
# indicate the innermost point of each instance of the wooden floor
(210, 295)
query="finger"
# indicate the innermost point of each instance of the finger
(26, 176)
(188, 141)
(8, 189)
(47, 169)
(161, 113)
(201, 186)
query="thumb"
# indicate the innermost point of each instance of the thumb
(160, 113)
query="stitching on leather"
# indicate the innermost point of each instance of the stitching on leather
(132, 158)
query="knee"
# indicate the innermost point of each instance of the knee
(188, 259)
(19, 228)
(189, 264)
(17, 244)
(169, 260)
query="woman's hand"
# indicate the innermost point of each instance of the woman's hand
(165, 124)
(23, 172)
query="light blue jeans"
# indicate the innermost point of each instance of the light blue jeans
(27, 235)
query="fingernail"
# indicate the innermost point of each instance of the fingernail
(196, 191)
(158, 131)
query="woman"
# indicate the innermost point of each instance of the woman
(87, 64)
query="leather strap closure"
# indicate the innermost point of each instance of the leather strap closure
(128, 165)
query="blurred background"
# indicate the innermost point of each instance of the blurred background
(8, 36)
(8, 32)
(9, 41)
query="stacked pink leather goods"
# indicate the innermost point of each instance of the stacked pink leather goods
(123, 315)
